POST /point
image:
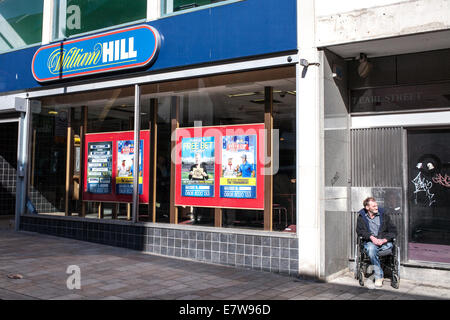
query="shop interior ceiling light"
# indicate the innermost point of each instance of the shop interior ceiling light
(245, 94)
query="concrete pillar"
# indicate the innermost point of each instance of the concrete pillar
(22, 163)
(48, 21)
(309, 146)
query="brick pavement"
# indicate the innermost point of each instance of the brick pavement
(117, 273)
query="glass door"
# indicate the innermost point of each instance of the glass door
(429, 195)
(8, 168)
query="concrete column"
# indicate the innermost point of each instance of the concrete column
(153, 10)
(309, 146)
(48, 21)
(22, 164)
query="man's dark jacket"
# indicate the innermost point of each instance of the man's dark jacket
(387, 229)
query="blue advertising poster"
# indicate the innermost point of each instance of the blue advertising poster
(238, 176)
(197, 167)
(99, 171)
(125, 163)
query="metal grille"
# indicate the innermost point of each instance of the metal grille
(377, 170)
(377, 157)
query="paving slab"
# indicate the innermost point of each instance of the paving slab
(116, 273)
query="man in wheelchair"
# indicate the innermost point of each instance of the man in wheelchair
(376, 240)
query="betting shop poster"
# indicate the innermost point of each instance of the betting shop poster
(220, 167)
(198, 165)
(238, 178)
(125, 166)
(109, 166)
(99, 167)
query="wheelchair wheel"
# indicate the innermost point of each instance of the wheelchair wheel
(357, 267)
(361, 277)
(395, 281)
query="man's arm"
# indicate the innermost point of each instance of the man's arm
(204, 173)
(361, 229)
(391, 229)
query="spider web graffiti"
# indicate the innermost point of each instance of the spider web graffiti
(423, 185)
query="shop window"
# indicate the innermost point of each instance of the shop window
(20, 23)
(78, 165)
(233, 99)
(171, 6)
(418, 81)
(58, 131)
(429, 195)
(81, 16)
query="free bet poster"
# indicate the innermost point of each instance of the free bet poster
(99, 167)
(231, 156)
(125, 163)
(197, 167)
(238, 175)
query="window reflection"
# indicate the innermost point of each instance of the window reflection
(170, 6)
(20, 23)
(231, 99)
(105, 111)
(80, 16)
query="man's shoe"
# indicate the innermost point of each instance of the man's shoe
(379, 282)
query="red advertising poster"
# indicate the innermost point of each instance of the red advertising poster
(220, 167)
(109, 167)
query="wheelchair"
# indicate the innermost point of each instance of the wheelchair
(389, 259)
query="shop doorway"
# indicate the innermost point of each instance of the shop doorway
(429, 195)
(8, 168)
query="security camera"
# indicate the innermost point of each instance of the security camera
(304, 63)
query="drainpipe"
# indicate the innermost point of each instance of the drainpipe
(137, 129)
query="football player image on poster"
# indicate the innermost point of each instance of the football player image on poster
(125, 163)
(197, 167)
(238, 176)
(99, 171)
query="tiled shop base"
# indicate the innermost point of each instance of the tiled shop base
(261, 252)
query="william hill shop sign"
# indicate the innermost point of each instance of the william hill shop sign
(127, 48)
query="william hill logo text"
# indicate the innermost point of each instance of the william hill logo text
(127, 48)
(79, 59)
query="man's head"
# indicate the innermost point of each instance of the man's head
(230, 161)
(370, 205)
(197, 158)
(244, 158)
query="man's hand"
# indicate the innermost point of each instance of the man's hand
(376, 241)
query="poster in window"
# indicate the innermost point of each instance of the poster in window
(238, 178)
(234, 159)
(99, 168)
(197, 167)
(116, 183)
(125, 166)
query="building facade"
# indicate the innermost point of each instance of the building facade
(344, 102)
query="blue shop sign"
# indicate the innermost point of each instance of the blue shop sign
(127, 48)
